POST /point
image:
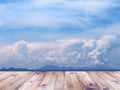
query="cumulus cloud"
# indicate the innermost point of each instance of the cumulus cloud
(73, 52)
(101, 47)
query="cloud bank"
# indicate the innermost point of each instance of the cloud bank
(77, 52)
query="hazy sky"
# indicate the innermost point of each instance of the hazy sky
(34, 33)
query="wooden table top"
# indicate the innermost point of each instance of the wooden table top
(73, 80)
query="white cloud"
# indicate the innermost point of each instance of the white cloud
(74, 52)
(43, 12)
(101, 47)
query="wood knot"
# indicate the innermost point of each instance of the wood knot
(31, 81)
(14, 75)
(43, 85)
(92, 86)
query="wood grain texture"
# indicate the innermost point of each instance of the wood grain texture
(72, 80)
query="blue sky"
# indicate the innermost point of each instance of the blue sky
(34, 23)
(55, 17)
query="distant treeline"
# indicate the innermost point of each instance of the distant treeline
(56, 68)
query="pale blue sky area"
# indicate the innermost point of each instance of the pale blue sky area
(51, 21)
(36, 19)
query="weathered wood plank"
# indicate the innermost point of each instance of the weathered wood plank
(47, 82)
(112, 81)
(100, 81)
(60, 80)
(72, 81)
(30, 83)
